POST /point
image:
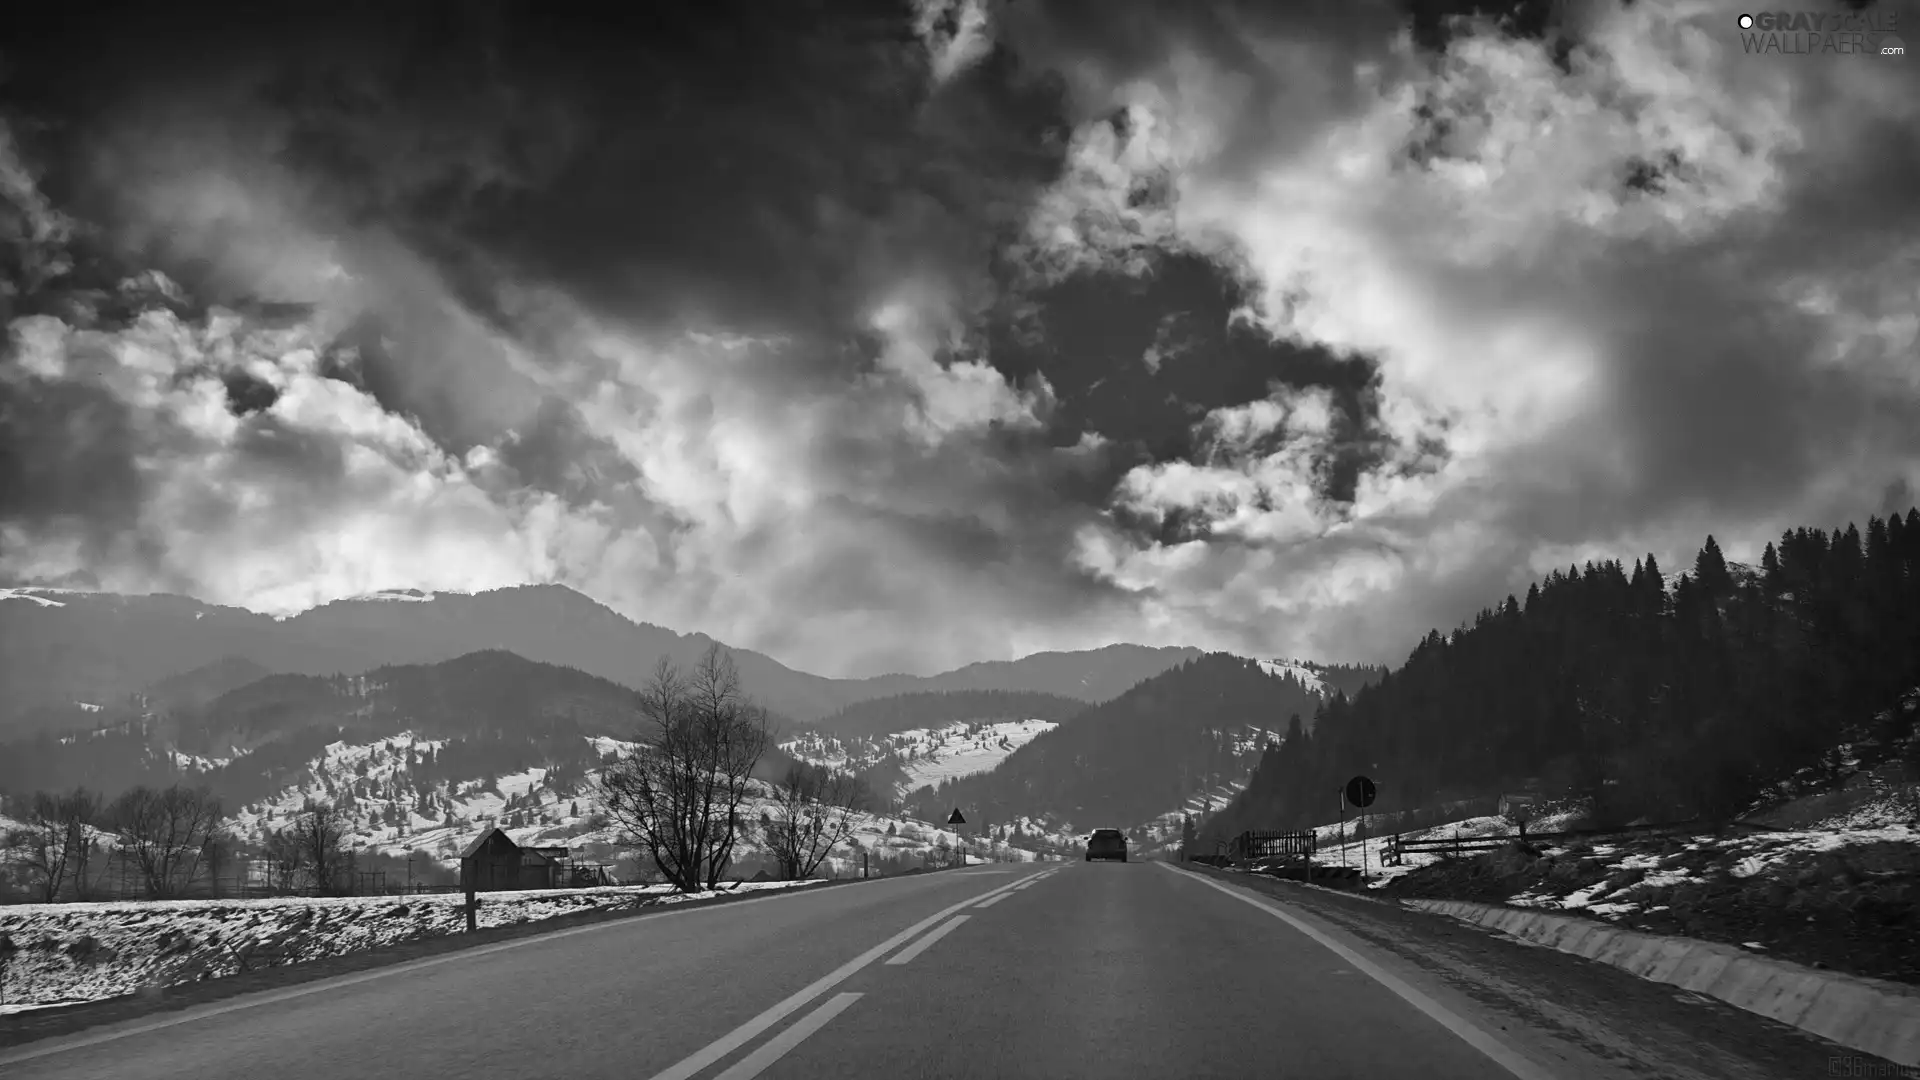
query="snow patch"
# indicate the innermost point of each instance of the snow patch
(1302, 671)
(37, 596)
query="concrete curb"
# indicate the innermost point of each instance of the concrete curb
(1870, 1015)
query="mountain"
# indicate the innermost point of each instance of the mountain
(1650, 695)
(418, 757)
(1091, 675)
(59, 648)
(192, 689)
(1128, 760)
(906, 712)
(899, 762)
(899, 743)
(488, 710)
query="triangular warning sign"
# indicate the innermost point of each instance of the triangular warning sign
(955, 818)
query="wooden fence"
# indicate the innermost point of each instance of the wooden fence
(1456, 845)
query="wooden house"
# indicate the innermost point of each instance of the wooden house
(493, 862)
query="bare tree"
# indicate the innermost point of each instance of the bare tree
(81, 812)
(54, 838)
(281, 851)
(320, 837)
(215, 853)
(677, 795)
(165, 833)
(813, 811)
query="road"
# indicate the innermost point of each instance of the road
(1055, 971)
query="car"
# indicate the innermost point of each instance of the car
(1107, 844)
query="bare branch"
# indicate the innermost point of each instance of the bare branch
(165, 833)
(677, 795)
(814, 811)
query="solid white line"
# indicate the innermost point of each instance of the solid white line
(1493, 1048)
(777, 1047)
(995, 900)
(922, 945)
(739, 1036)
(271, 997)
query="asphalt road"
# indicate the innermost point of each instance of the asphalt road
(1051, 972)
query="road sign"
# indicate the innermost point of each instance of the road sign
(1360, 792)
(956, 818)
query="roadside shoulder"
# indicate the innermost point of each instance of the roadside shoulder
(28, 1027)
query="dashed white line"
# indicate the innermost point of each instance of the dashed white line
(740, 1036)
(777, 1047)
(924, 943)
(321, 986)
(995, 900)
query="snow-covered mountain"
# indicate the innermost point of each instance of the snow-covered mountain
(1306, 672)
(905, 760)
(419, 758)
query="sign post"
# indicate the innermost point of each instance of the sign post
(1361, 792)
(957, 819)
(1343, 830)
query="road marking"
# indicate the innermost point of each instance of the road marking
(273, 997)
(995, 900)
(777, 1047)
(924, 943)
(739, 1036)
(1493, 1048)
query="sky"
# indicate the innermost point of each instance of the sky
(897, 336)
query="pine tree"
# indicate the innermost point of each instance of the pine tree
(1710, 571)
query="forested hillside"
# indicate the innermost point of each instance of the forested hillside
(1139, 755)
(934, 709)
(1349, 679)
(488, 713)
(1605, 683)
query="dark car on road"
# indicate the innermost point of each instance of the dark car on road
(1107, 844)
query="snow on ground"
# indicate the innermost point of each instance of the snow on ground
(371, 784)
(925, 755)
(1301, 670)
(1338, 842)
(37, 596)
(1753, 853)
(84, 952)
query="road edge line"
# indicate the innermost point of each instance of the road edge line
(1467, 1031)
(111, 1032)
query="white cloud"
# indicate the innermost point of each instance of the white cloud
(957, 34)
(1494, 288)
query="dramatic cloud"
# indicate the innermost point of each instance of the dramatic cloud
(1617, 298)
(943, 331)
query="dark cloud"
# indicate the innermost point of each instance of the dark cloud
(66, 454)
(557, 452)
(1094, 329)
(247, 393)
(1226, 323)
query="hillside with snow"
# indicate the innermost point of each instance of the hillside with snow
(905, 760)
